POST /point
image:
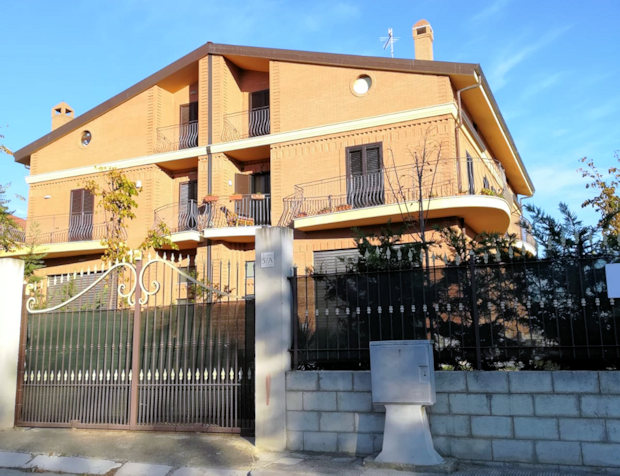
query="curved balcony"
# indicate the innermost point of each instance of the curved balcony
(67, 228)
(472, 188)
(244, 124)
(233, 218)
(63, 235)
(177, 137)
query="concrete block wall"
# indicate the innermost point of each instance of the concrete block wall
(559, 418)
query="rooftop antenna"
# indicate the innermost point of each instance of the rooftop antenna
(389, 40)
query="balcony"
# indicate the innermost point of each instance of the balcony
(234, 218)
(472, 188)
(526, 239)
(63, 235)
(177, 137)
(244, 124)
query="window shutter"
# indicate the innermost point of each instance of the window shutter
(242, 183)
(76, 201)
(88, 205)
(183, 192)
(355, 162)
(373, 160)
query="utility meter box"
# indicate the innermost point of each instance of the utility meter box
(402, 371)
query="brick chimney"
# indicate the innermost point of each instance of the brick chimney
(423, 40)
(61, 114)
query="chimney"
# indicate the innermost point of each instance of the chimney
(61, 114)
(423, 40)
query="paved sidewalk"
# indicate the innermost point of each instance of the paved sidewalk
(124, 453)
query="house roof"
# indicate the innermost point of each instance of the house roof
(461, 75)
(20, 222)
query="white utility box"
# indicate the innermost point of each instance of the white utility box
(403, 380)
(402, 372)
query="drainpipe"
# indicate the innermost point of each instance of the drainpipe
(209, 155)
(459, 123)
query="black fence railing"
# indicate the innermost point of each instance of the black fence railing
(531, 314)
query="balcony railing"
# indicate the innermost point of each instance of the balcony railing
(177, 137)
(64, 228)
(394, 185)
(244, 124)
(526, 233)
(216, 212)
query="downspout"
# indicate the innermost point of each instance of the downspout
(459, 124)
(209, 155)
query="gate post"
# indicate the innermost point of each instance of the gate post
(274, 263)
(11, 292)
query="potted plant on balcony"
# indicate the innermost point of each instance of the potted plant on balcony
(210, 198)
(343, 207)
(490, 192)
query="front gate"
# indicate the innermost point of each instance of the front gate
(145, 346)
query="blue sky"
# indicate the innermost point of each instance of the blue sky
(552, 65)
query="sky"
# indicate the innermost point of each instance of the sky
(552, 64)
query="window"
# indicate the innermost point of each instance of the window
(86, 138)
(81, 215)
(188, 194)
(365, 176)
(362, 85)
(470, 174)
(259, 124)
(188, 125)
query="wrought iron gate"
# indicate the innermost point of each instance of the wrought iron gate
(145, 346)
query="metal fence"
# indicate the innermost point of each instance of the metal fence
(170, 348)
(530, 314)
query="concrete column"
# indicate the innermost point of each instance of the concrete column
(11, 290)
(274, 262)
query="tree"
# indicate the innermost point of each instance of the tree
(117, 197)
(4, 148)
(566, 237)
(607, 202)
(9, 231)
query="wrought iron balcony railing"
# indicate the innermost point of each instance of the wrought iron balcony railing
(526, 233)
(177, 137)
(64, 228)
(393, 185)
(216, 212)
(244, 124)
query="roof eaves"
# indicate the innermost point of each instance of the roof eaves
(504, 126)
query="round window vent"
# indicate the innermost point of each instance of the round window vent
(362, 85)
(86, 138)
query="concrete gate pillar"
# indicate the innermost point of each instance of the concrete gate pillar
(272, 290)
(11, 291)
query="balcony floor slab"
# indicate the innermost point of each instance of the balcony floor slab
(481, 213)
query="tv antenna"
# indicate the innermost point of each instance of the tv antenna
(389, 40)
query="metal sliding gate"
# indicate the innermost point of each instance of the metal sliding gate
(145, 346)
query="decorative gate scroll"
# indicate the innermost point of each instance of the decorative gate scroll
(141, 346)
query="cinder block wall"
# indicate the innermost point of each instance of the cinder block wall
(560, 418)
